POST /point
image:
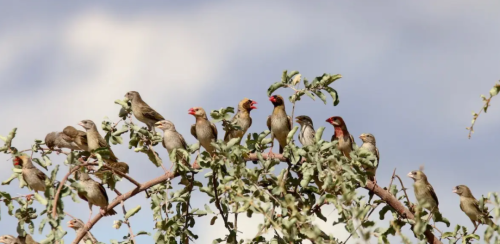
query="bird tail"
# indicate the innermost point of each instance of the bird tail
(281, 149)
(110, 212)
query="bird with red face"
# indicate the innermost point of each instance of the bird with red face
(34, 177)
(242, 119)
(345, 139)
(279, 123)
(203, 130)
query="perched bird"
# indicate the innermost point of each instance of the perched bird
(34, 177)
(345, 140)
(370, 145)
(142, 111)
(424, 193)
(70, 138)
(203, 130)
(279, 123)
(28, 240)
(95, 141)
(470, 206)
(8, 239)
(307, 133)
(78, 225)
(242, 119)
(94, 193)
(171, 138)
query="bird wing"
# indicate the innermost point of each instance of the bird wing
(193, 131)
(82, 196)
(183, 142)
(69, 134)
(377, 154)
(150, 113)
(83, 137)
(269, 122)
(214, 130)
(353, 142)
(40, 175)
(103, 191)
(289, 123)
(433, 193)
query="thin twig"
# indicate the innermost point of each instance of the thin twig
(486, 105)
(404, 189)
(127, 222)
(392, 178)
(13, 198)
(362, 222)
(217, 202)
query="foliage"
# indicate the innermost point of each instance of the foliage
(486, 104)
(290, 196)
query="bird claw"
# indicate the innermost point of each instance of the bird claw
(102, 211)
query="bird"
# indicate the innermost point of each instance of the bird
(279, 123)
(93, 193)
(34, 177)
(370, 145)
(142, 111)
(242, 119)
(345, 140)
(9, 239)
(69, 138)
(307, 133)
(470, 206)
(28, 240)
(424, 193)
(172, 139)
(203, 130)
(95, 141)
(78, 225)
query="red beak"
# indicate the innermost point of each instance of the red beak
(191, 111)
(329, 120)
(252, 103)
(272, 99)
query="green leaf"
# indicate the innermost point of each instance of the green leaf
(319, 133)
(40, 199)
(284, 77)
(494, 91)
(132, 212)
(274, 87)
(308, 93)
(212, 222)
(333, 93)
(320, 95)
(291, 133)
(233, 142)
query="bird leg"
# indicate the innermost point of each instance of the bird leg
(102, 211)
(87, 225)
(271, 154)
(165, 169)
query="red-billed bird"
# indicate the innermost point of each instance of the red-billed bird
(242, 119)
(345, 140)
(203, 130)
(34, 177)
(279, 123)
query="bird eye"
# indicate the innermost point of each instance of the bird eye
(414, 172)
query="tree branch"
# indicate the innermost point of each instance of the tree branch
(217, 202)
(402, 210)
(123, 198)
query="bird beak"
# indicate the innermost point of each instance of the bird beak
(454, 190)
(70, 225)
(191, 111)
(272, 99)
(80, 124)
(253, 103)
(361, 136)
(158, 124)
(297, 120)
(410, 175)
(330, 120)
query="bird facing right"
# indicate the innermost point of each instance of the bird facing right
(307, 133)
(424, 193)
(142, 111)
(242, 119)
(470, 206)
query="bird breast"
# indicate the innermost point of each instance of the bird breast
(369, 147)
(171, 140)
(306, 136)
(204, 133)
(469, 208)
(93, 194)
(279, 127)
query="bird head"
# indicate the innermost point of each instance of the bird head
(462, 190)
(75, 224)
(165, 125)
(87, 124)
(7, 239)
(417, 175)
(131, 95)
(368, 138)
(197, 112)
(18, 161)
(247, 104)
(277, 100)
(304, 120)
(336, 121)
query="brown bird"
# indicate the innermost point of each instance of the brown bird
(70, 138)
(95, 141)
(424, 193)
(142, 111)
(172, 139)
(242, 119)
(345, 140)
(78, 225)
(203, 130)
(34, 177)
(8, 239)
(370, 145)
(470, 206)
(279, 123)
(94, 193)
(307, 133)
(28, 240)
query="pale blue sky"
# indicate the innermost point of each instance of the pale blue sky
(413, 72)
